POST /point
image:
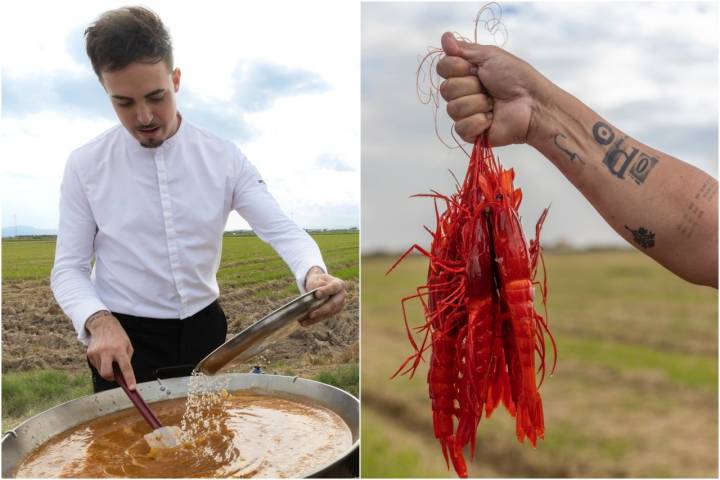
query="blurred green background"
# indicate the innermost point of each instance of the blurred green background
(634, 393)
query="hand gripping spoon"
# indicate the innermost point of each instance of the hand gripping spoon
(160, 437)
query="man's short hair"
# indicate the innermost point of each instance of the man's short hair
(126, 35)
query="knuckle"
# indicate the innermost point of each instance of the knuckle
(453, 109)
(441, 67)
(443, 89)
(485, 120)
(462, 128)
(470, 85)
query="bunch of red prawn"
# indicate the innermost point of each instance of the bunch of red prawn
(480, 318)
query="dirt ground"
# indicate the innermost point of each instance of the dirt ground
(37, 334)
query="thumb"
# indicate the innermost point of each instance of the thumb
(472, 52)
(450, 45)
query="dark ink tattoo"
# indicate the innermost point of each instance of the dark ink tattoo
(614, 159)
(690, 219)
(708, 190)
(643, 237)
(619, 160)
(573, 156)
(695, 211)
(639, 171)
(603, 133)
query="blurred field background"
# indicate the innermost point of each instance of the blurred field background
(43, 364)
(635, 391)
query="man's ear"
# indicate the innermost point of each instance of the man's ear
(176, 79)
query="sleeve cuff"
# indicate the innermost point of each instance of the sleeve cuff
(81, 314)
(303, 270)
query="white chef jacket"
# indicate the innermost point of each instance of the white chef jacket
(153, 218)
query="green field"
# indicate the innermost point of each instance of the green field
(246, 260)
(634, 392)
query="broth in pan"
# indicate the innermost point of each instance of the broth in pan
(239, 435)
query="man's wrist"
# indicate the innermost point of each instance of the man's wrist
(546, 110)
(313, 271)
(93, 319)
(559, 127)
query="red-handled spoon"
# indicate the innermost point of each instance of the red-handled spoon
(161, 437)
(136, 399)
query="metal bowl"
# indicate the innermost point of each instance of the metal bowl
(19, 442)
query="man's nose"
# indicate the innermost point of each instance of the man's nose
(144, 115)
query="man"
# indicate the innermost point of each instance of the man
(663, 206)
(149, 199)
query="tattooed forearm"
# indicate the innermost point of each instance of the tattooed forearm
(643, 237)
(621, 160)
(560, 137)
(691, 218)
(708, 190)
(693, 215)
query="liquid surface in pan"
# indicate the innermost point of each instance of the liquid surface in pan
(242, 435)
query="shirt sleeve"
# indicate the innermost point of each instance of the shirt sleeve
(70, 278)
(253, 201)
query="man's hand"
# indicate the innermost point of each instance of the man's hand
(109, 343)
(489, 89)
(329, 286)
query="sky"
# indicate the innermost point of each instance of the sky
(276, 78)
(648, 68)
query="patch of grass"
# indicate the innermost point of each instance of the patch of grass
(26, 393)
(685, 369)
(345, 377)
(348, 273)
(27, 259)
(376, 462)
(388, 452)
(567, 437)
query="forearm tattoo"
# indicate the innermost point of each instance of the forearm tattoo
(643, 237)
(560, 142)
(696, 207)
(621, 160)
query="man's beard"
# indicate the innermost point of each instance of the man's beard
(151, 143)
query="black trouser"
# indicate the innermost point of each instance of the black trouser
(163, 343)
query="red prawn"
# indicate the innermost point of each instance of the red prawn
(479, 313)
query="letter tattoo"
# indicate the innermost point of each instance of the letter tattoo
(573, 156)
(603, 133)
(619, 159)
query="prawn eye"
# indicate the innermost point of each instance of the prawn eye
(498, 197)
